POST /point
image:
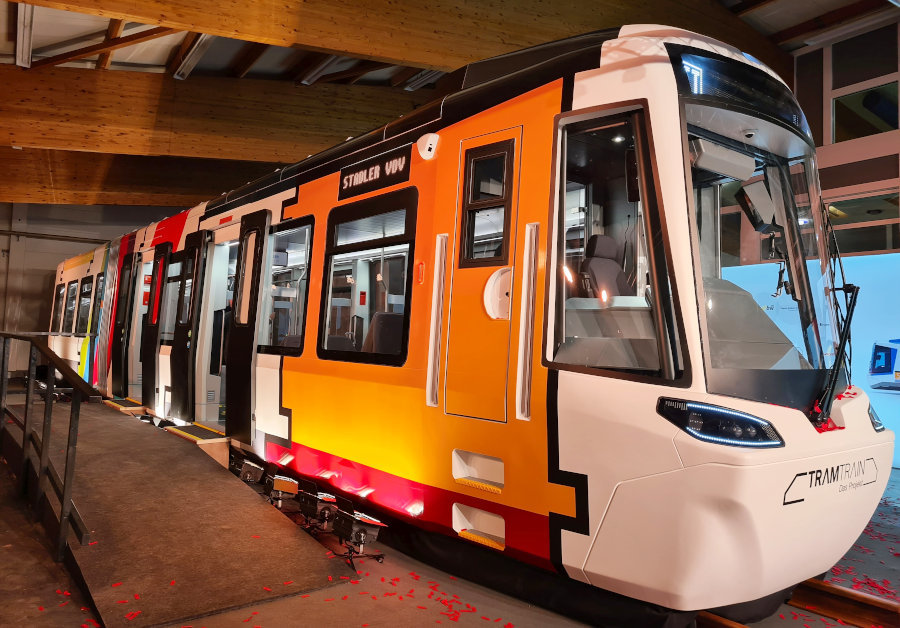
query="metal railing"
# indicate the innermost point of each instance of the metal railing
(37, 476)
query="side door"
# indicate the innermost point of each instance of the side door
(122, 328)
(242, 337)
(479, 329)
(181, 359)
(150, 333)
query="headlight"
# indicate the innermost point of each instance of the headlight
(875, 419)
(715, 424)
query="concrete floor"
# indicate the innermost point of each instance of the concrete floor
(399, 592)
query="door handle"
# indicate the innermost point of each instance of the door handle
(496, 294)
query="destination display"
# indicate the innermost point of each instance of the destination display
(378, 172)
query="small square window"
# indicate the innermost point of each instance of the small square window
(488, 178)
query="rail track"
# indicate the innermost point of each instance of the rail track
(851, 607)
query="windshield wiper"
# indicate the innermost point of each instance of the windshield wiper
(822, 407)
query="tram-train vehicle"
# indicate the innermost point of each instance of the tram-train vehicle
(884, 367)
(515, 317)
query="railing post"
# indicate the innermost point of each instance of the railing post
(45, 437)
(26, 426)
(65, 507)
(4, 382)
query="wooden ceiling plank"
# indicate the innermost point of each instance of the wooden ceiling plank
(78, 178)
(827, 20)
(440, 35)
(247, 119)
(113, 31)
(190, 39)
(249, 55)
(112, 44)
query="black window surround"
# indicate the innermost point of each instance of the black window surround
(294, 223)
(470, 207)
(58, 304)
(71, 300)
(406, 199)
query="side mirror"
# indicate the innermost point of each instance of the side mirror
(758, 206)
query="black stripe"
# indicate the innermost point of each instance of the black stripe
(580, 523)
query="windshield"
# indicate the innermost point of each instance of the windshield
(770, 331)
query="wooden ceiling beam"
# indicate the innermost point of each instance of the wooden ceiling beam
(77, 178)
(189, 41)
(827, 20)
(247, 119)
(249, 55)
(439, 35)
(749, 6)
(105, 46)
(402, 75)
(113, 31)
(355, 73)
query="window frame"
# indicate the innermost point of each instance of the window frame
(658, 242)
(68, 332)
(469, 207)
(287, 225)
(85, 281)
(242, 276)
(408, 199)
(170, 280)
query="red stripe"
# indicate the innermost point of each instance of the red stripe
(527, 533)
(170, 230)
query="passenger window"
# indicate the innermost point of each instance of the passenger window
(284, 295)
(99, 284)
(607, 315)
(84, 305)
(248, 248)
(170, 302)
(368, 280)
(486, 205)
(58, 307)
(69, 318)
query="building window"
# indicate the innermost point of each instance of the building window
(867, 225)
(866, 112)
(368, 284)
(284, 295)
(84, 305)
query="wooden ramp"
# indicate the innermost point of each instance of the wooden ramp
(174, 536)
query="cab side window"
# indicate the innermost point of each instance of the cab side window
(368, 281)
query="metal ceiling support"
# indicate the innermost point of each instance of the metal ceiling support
(402, 75)
(422, 79)
(315, 71)
(192, 56)
(24, 30)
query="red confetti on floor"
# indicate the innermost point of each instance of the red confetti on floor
(117, 584)
(132, 615)
(171, 584)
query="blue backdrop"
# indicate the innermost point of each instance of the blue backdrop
(877, 317)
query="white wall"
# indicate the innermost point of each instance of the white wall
(42, 236)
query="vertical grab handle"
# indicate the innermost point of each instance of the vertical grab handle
(526, 323)
(437, 311)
